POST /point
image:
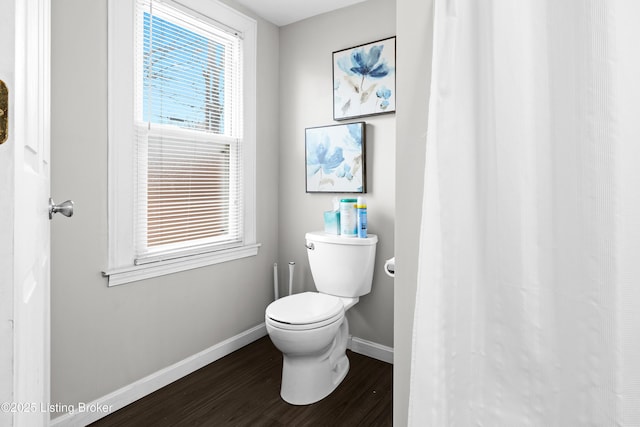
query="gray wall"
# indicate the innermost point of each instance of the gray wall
(414, 20)
(105, 338)
(306, 100)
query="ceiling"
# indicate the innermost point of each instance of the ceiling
(283, 12)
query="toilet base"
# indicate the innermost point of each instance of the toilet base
(301, 386)
(308, 379)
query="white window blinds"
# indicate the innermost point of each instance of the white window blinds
(188, 133)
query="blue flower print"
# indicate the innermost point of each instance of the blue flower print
(344, 172)
(365, 64)
(355, 131)
(320, 156)
(384, 94)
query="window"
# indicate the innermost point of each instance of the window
(181, 136)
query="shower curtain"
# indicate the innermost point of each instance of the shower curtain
(528, 298)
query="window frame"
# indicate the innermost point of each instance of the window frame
(121, 267)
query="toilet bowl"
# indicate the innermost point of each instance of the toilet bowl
(312, 343)
(310, 328)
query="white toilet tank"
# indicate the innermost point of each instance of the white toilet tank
(341, 266)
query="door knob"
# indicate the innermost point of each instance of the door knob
(65, 208)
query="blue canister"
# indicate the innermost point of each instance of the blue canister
(348, 220)
(361, 212)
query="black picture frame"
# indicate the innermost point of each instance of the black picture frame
(335, 158)
(364, 80)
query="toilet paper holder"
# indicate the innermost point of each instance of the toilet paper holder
(390, 267)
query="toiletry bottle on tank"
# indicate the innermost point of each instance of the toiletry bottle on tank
(348, 218)
(361, 214)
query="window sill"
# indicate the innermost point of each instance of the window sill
(161, 268)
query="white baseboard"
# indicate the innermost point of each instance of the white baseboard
(128, 394)
(371, 349)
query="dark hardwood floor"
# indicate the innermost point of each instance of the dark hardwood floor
(243, 389)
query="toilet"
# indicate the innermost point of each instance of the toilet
(310, 328)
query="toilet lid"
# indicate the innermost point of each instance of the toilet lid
(305, 308)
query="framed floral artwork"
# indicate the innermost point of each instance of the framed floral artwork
(364, 80)
(335, 158)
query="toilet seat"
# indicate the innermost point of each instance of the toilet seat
(307, 310)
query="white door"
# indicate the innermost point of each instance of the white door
(24, 221)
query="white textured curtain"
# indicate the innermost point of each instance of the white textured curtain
(528, 301)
